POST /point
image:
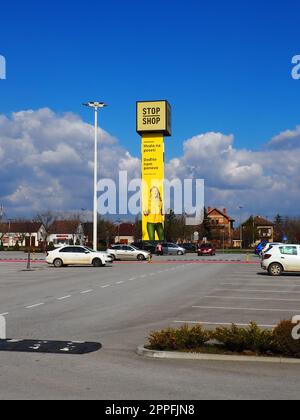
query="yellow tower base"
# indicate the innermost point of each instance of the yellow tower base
(153, 187)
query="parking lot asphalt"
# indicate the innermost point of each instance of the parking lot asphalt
(118, 306)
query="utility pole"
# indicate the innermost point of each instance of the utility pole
(241, 227)
(95, 106)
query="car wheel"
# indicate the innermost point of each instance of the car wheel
(141, 257)
(97, 263)
(179, 253)
(58, 263)
(275, 270)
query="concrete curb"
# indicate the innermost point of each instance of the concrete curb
(153, 354)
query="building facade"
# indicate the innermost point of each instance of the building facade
(63, 233)
(221, 227)
(23, 234)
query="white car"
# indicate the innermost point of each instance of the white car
(281, 258)
(77, 255)
(127, 253)
(268, 247)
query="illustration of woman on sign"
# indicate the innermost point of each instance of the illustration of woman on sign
(154, 215)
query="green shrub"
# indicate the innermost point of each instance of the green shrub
(234, 339)
(184, 338)
(1, 246)
(285, 343)
(163, 340)
(239, 340)
(191, 337)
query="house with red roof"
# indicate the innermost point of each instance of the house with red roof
(23, 233)
(221, 227)
(66, 232)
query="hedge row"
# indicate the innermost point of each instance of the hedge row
(252, 340)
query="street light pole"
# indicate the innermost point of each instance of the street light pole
(95, 217)
(241, 227)
(96, 106)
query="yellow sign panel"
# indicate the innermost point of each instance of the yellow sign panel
(153, 187)
(154, 117)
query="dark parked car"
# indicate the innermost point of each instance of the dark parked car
(206, 250)
(190, 248)
(145, 246)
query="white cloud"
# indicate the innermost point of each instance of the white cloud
(289, 139)
(46, 162)
(263, 182)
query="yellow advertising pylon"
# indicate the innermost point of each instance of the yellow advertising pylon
(153, 123)
(153, 175)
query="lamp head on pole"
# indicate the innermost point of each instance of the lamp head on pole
(95, 105)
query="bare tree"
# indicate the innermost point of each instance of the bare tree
(46, 219)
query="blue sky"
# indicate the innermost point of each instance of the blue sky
(224, 66)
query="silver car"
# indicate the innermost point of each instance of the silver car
(173, 249)
(128, 253)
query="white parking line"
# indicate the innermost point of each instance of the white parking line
(133, 279)
(260, 284)
(120, 282)
(34, 306)
(221, 323)
(64, 297)
(86, 291)
(246, 298)
(257, 291)
(216, 308)
(105, 286)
